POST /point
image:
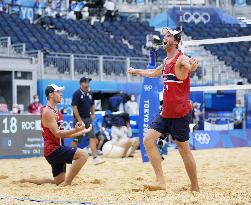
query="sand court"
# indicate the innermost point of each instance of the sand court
(224, 178)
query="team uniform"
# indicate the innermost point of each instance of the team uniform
(84, 102)
(175, 115)
(55, 152)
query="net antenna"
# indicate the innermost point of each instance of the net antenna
(181, 20)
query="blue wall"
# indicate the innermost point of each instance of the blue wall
(72, 85)
(220, 139)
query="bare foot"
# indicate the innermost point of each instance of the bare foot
(66, 184)
(155, 186)
(196, 189)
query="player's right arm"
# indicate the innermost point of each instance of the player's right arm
(150, 73)
(81, 132)
(49, 121)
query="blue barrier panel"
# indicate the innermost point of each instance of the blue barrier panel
(220, 139)
(149, 104)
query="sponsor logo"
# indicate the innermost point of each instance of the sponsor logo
(148, 88)
(196, 17)
(65, 125)
(202, 138)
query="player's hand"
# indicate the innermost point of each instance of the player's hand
(88, 130)
(79, 126)
(131, 71)
(81, 123)
(194, 64)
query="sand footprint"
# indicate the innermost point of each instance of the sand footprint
(139, 179)
(3, 177)
(96, 181)
(137, 190)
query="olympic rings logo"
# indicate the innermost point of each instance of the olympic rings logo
(202, 138)
(196, 17)
(65, 125)
(148, 87)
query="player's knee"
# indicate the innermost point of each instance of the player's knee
(128, 143)
(84, 156)
(183, 150)
(60, 181)
(136, 143)
(81, 154)
(148, 141)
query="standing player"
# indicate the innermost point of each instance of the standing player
(175, 115)
(55, 152)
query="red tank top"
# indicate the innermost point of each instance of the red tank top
(51, 142)
(176, 92)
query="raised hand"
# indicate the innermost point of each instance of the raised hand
(194, 64)
(131, 71)
(79, 126)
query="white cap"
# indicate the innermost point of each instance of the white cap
(52, 88)
(173, 32)
(57, 88)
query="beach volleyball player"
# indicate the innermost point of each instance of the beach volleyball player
(55, 152)
(175, 115)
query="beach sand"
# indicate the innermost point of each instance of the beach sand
(224, 178)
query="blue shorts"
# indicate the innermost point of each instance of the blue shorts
(59, 158)
(177, 127)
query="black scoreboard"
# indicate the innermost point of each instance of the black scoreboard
(20, 136)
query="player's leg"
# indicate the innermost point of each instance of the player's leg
(100, 142)
(58, 171)
(92, 138)
(189, 162)
(180, 131)
(93, 146)
(59, 179)
(126, 144)
(38, 181)
(135, 145)
(155, 159)
(80, 158)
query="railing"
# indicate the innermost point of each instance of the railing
(111, 68)
(94, 66)
(5, 43)
(19, 49)
(88, 65)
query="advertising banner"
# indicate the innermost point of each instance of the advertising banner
(149, 104)
(220, 139)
